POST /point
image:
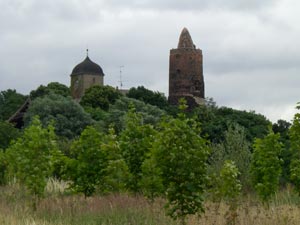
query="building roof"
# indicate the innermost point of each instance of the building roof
(87, 66)
(17, 118)
(185, 40)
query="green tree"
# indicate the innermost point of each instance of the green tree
(117, 113)
(10, 102)
(282, 127)
(30, 158)
(181, 156)
(266, 165)
(228, 184)
(153, 98)
(88, 162)
(135, 142)
(3, 166)
(7, 134)
(100, 96)
(216, 120)
(230, 189)
(96, 163)
(68, 116)
(236, 148)
(295, 151)
(151, 182)
(53, 87)
(116, 174)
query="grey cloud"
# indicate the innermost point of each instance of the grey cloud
(251, 60)
(191, 5)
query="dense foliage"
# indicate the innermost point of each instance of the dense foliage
(117, 113)
(7, 134)
(295, 151)
(10, 102)
(148, 96)
(69, 117)
(100, 96)
(31, 157)
(215, 121)
(110, 143)
(181, 155)
(236, 148)
(135, 142)
(53, 87)
(266, 165)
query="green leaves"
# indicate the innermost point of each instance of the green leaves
(7, 134)
(30, 157)
(96, 163)
(153, 98)
(181, 155)
(235, 147)
(100, 96)
(68, 116)
(266, 165)
(135, 143)
(295, 150)
(229, 185)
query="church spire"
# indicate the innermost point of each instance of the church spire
(185, 40)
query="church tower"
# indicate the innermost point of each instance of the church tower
(84, 75)
(186, 72)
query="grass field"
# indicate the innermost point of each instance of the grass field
(61, 209)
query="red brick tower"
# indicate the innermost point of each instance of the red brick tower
(186, 72)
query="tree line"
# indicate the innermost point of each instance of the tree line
(140, 144)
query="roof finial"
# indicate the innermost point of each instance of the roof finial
(87, 52)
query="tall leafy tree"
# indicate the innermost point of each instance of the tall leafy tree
(135, 142)
(295, 151)
(69, 117)
(96, 163)
(88, 161)
(116, 174)
(117, 113)
(235, 147)
(153, 98)
(53, 87)
(100, 96)
(181, 156)
(216, 120)
(283, 127)
(31, 157)
(10, 102)
(7, 134)
(266, 165)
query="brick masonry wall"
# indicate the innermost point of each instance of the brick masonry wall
(185, 75)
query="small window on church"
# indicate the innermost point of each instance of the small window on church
(178, 71)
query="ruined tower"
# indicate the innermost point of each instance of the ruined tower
(84, 75)
(186, 72)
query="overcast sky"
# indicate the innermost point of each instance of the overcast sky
(251, 48)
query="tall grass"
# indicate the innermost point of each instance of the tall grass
(58, 208)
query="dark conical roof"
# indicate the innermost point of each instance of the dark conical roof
(185, 40)
(87, 66)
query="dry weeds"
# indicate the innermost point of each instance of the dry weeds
(122, 209)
